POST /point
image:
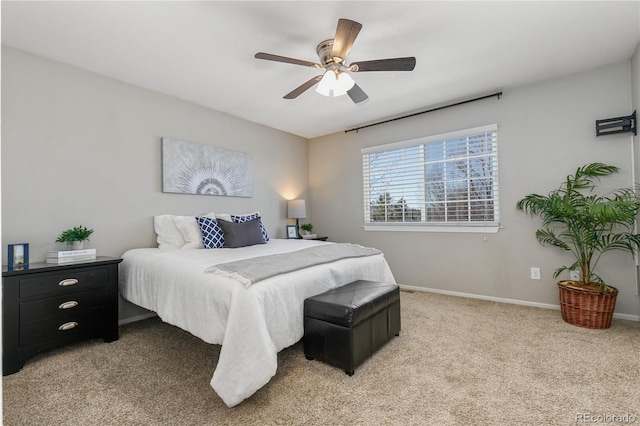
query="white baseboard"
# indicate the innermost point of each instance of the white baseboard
(137, 318)
(504, 300)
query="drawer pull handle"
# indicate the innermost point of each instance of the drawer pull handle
(68, 282)
(68, 305)
(67, 326)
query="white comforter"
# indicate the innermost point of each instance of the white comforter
(252, 324)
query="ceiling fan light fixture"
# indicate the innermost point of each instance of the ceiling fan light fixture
(335, 84)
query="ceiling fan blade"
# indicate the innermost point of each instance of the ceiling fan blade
(393, 64)
(303, 87)
(356, 94)
(277, 58)
(346, 34)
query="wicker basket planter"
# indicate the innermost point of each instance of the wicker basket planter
(585, 308)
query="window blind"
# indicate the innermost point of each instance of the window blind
(449, 179)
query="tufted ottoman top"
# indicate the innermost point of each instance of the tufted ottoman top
(352, 303)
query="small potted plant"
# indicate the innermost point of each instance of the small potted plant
(307, 228)
(75, 237)
(576, 220)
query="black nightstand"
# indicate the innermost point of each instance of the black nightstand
(46, 306)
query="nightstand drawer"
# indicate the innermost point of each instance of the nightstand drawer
(68, 281)
(58, 306)
(68, 326)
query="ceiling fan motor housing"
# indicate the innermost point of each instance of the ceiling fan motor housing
(324, 49)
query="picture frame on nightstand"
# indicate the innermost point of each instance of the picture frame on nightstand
(292, 232)
(18, 256)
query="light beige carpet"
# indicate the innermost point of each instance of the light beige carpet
(457, 362)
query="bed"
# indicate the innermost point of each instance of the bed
(252, 323)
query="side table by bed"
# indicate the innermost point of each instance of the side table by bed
(47, 305)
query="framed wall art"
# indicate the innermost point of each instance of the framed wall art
(190, 168)
(18, 256)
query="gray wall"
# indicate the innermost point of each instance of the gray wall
(545, 130)
(79, 148)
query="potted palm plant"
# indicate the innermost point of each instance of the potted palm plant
(588, 225)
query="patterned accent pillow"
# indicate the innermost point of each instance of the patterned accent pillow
(212, 235)
(246, 218)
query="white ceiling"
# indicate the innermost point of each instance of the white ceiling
(202, 52)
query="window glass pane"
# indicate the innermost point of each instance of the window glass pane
(455, 170)
(482, 211)
(434, 172)
(457, 211)
(435, 212)
(456, 148)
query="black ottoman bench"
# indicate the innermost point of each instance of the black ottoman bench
(346, 325)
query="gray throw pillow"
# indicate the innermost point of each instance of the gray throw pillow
(241, 234)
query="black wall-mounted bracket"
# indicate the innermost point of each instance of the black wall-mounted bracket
(610, 126)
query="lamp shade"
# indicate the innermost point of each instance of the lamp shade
(296, 209)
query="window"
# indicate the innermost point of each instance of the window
(437, 182)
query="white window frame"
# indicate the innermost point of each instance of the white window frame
(424, 226)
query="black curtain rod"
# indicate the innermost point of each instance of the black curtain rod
(355, 129)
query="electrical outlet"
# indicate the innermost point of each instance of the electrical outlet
(535, 273)
(574, 275)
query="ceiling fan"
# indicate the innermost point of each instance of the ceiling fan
(332, 53)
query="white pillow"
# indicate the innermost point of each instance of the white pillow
(169, 236)
(191, 236)
(179, 232)
(227, 216)
(224, 216)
